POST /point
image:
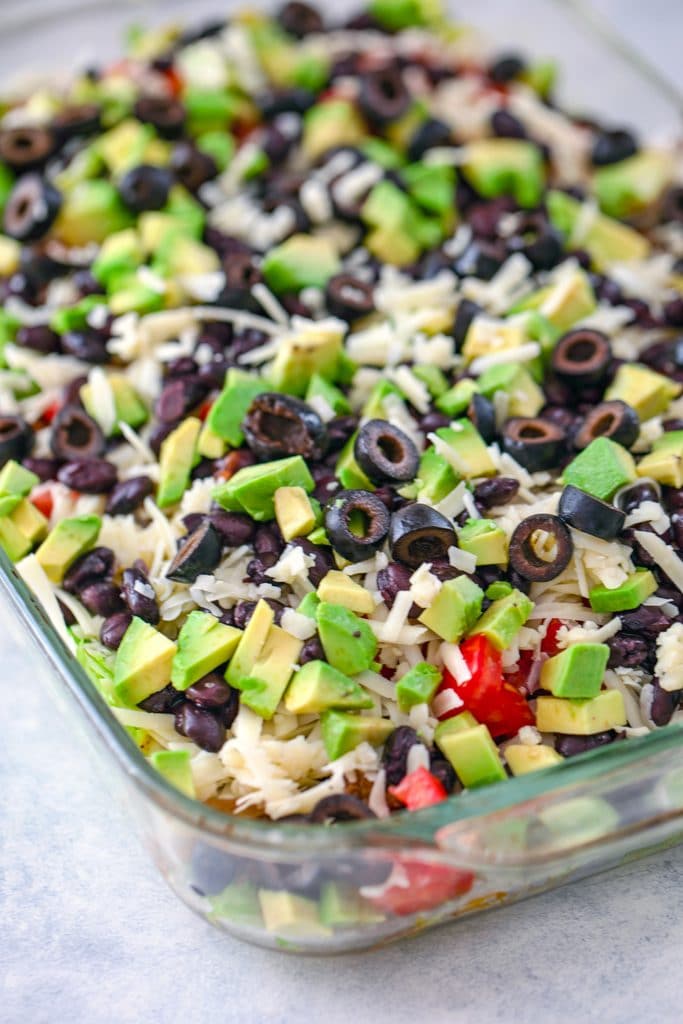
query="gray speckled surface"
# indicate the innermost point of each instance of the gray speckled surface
(91, 934)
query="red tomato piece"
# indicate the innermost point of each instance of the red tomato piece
(549, 643)
(41, 498)
(419, 789)
(424, 887)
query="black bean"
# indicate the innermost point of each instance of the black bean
(128, 495)
(323, 559)
(430, 134)
(257, 569)
(664, 703)
(395, 753)
(340, 807)
(102, 598)
(433, 421)
(484, 218)
(39, 338)
(95, 565)
(158, 434)
(627, 651)
(569, 746)
(191, 166)
(45, 469)
(235, 528)
(268, 540)
(300, 19)
(506, 68)
(612, 146)
(243, 611)
(312, 650)
(202, 727)
(139, 595)
(636, 495)
(183, 366)
(178, 397)
(113, 629)
(443, 770)
(228, 713)
(162, 701)
(647, 619)
(67, 614)
(498, 490)
(89, 476)
(86, 345)
(506, 126)
(211, 691)
(339, 430)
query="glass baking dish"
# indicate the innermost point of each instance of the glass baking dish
(360, 885)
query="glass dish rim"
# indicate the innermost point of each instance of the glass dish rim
(280, 836)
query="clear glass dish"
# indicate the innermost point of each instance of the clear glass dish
(363, 884)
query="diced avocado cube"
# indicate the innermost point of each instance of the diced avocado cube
(459, 723)
(629, 186)
(396, 15)
(454, 610)
(498, 589)
(219, 145)
(505, 167)
(503, 619)
(436, 477)
(303, 261)
(184, 255)
(90, 212)
(309, 605)
(417, 686)
(75, 318)
(347, 470)
(29, 521)
(204, 643)
(432, 186)
(264, 686)
(576, 672)
(522, 759)
(342, 905)
(646, 391)
(433, 377)
(601, 468)
(10, 256)
(251, 643)
(628, 595)
(525, 397)
(126, 145)
(294, 512)
(65, 542)
(14, 479)
(564, 302)
(665, 462)
(318, 686)
(6, 185)
(132, 295)
(454, 401)
(176, 459)
(343, 731)
(288, 914)
(318, 387)
(299, 356)
(210, 445)
(209, 110)
(330, 124)
(119, 255)
(230, 408)
(474, 756)
(579, 820)
(238, 902)
(581, 717)
(143, 663)
(348, 641)
(252, 489)
(607, 240)
(21, 526)
(14, 543)
(466, 450)
(484, 539)
(338, 588)
(176, 768)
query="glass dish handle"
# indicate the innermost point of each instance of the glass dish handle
(588, 823)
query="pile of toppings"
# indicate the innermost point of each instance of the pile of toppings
(340, 420)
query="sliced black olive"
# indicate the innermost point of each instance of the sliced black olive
(192, 167)
(612, 146)
(481, 412)
(481, 259)
(199, 553)
(357, 524)
(536, 239)
(166, 115)
(340, 807)
(75, 435)
(430, 134)
(524, 557)
(23, 149)
(582, 357)
(145, 188)
(241, 274)
(614, 419)
(506, 68)
(589, 514)
(420, 534)
(349, 298)
(278, 425)
(383, 95)
(31, 208)
(83, 119)
(16, 439)
(385, 453)
(534, 443)
(467, 310)
(299, 19)
(506, 126)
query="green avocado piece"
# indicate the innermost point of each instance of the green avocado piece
(343, 731)
(14, 479)
(647, 391)
(134, 296)
(210, 445)
(665, 462)
(230, 408)
(417, 686)
(581, 717)
(435, 478)
(374, 409)
(432, 377)
(26, 518)
(454, 610)
(318, 686)
(303, 261)
(469, 455)
(628, 595)
(129, 144)
(631, 185)
(219, 145)
(396, 15)
(209, 110)
(288, 914)
(265, 682)
(563, 303)
(457, 724)
(182, 255)
(130, 408)
(176, 459)
(576, 672)
(65, 542)
(474, 756)
(90, 212)
(294, 512)
(601, 468)
(525, 398)
(349, 643)
(252, 489)
(14, 543)
(454, 401)
(238, 902)
(318, 387)
(607, 240)
(75, 318)
(119, 255)
(432, 186)
(347, 470)
(175, 766)
(498, 589)
(522, 759)
(6, 185)
(250, 644)
(497, 167)
(503, 619)
(395, 222)
(333, 123)
(342, 905)
(204, 643)
(301, 355)
(143, 663)
(484, 539)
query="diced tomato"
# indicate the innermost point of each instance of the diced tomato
(419, 789)
(421, 886)
(173, 81)
(487, 694)
(232, 462)
(205, 408)
(549, 644)
(41, 497)
(51, 411)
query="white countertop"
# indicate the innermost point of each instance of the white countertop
(91, 935)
